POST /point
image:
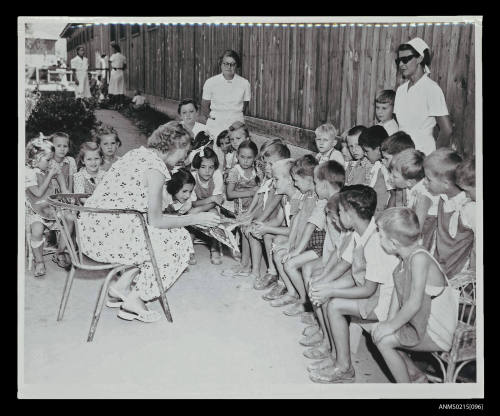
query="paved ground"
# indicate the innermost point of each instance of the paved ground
(225, 340)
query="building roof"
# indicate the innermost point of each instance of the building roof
(68, 30)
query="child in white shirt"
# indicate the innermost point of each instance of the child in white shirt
(326, 139)
(384, 107)
(138, 102)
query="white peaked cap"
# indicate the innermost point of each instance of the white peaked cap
(420, 46)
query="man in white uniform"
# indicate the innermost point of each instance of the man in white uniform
(79, 65)
(225, 96)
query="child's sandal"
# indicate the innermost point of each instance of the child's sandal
(39, 271)
(61, 260)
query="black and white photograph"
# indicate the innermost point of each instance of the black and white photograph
(250, 207)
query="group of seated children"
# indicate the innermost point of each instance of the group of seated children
(50, 170)
(370, 234)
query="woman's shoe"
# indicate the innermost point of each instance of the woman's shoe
(116, 298)
(142, 315)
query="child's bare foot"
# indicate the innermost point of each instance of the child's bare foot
(310, 330)
(295, 309)
(284, 300)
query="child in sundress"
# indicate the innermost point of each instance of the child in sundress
(89, 161)
(66, 163)
(108, 142)
(209, 190)
(242, 184)
(39, 186)
(424, 307)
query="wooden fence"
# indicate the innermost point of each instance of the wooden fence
(300, 76)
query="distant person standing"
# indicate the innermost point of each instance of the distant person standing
(103, 65)
(225, 96)
(79, 66)
(420, 104)
(118, 64)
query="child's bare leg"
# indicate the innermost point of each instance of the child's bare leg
(282, 273)
(393, 358)
(292, 269)
(245, 253)
(36, 244)
(70, 223)
(256, 254)
(268, 241)
(338, 310)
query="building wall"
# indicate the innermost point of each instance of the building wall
(300, 76)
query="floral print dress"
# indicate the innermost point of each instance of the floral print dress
(118, 238)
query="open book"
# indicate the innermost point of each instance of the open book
(223, 232)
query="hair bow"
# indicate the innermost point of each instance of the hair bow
(42, 142)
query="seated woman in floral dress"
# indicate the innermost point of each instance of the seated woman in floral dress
(136, 182)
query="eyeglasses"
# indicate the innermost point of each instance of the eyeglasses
(404, 59)
(229, 64)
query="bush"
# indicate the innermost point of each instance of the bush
(61, 112)
(146, 119)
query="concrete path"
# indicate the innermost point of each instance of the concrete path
(225, 340)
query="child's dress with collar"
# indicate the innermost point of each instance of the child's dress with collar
(242, 182)
(38, 208)
(68, 168)
(84, 183)
(455, 233)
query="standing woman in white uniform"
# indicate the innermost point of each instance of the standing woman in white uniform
(225, 96)
(118, 64)
(79, 66)
(420, 104)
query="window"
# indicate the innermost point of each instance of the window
(135, 29)
(123, 31)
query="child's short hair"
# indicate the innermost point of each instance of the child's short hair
(385, 97)
(208, 153)
(275, 147)
(35, 148)
(372, 137)
(443, 162)
(59, 134)
(466, 172)
(239, 125)
(201, 139)
(283, 166)
(333, 203)
(304, 166)
(332, 172)
(178, 180)
(356, 130)
(248, 144)
(400, 223)
(396, 143)
(360, 198)
(186, 102)
(86, 147)
(222, 135)
(410, 163)
(327, 129)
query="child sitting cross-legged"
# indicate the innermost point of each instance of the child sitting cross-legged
(407, 174)
(366, 294)
(328, 178)
(209, 190)
(424, 307)
(390, 147)
(455, 215)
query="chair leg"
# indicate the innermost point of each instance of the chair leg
(220, 249)
(100, 303)
(164, 305)
(67, 288)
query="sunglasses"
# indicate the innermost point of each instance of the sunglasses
(229, 64)
(404, 59)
